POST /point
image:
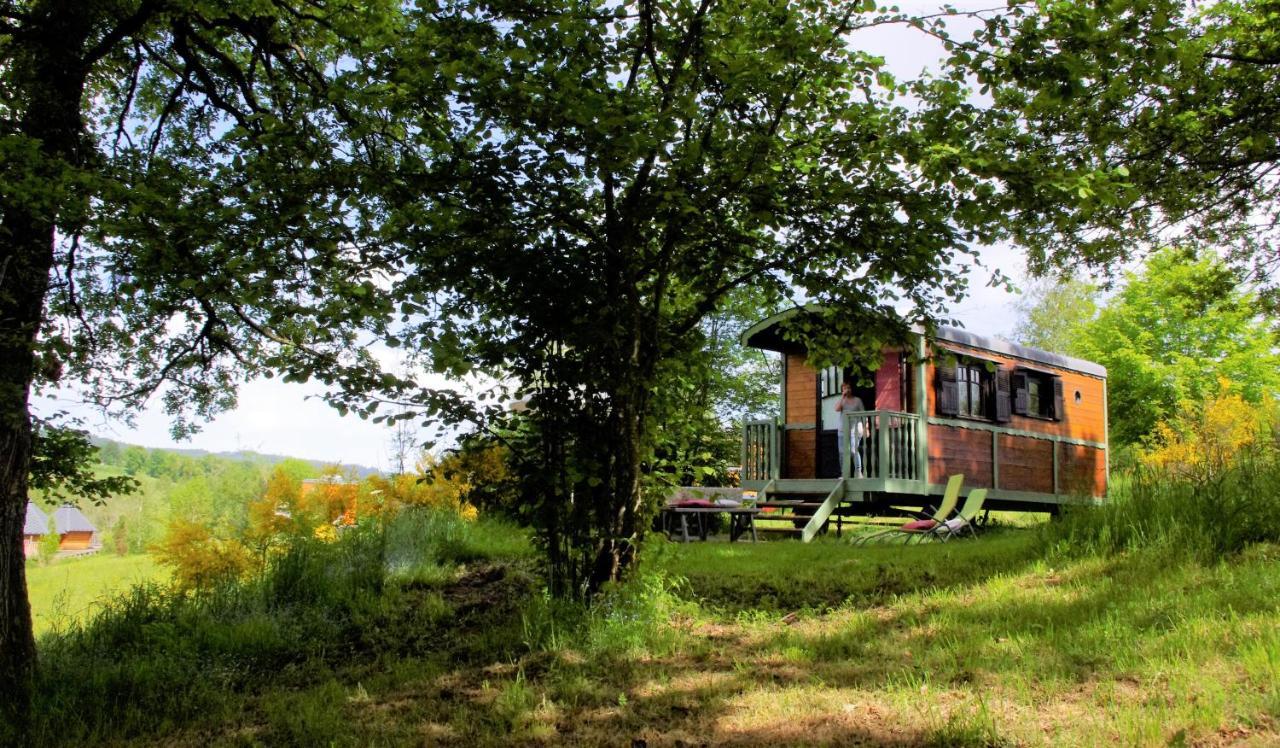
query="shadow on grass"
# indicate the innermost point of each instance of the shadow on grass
(960, 644)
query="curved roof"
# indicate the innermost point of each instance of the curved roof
(36, 522)
(69, 519)
(767, 334)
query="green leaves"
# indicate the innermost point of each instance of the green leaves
(1118, 127)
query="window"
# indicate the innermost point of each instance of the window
(1037, 394)
(829, 381)
(972, 388)
(971, 381)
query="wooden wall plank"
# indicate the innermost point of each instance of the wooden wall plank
(1082, 470)
(802, 459)
(955, 450)
(1026, 464)
(802, 384)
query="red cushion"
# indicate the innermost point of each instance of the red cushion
(695, 504)
(920, 525)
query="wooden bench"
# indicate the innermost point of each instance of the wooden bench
(742, 519)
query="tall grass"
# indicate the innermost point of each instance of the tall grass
(157, 658)
(1152, 510)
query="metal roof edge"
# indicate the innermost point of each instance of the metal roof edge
(961, 337)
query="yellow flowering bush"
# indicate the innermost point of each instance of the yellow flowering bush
(1205, 439)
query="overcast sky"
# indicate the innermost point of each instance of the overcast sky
(280, 418)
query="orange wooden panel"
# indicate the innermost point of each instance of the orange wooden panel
(802, 389)
(1026, 464)
(75, 541)
(955, 450)
(1085, 419)
(802, 459)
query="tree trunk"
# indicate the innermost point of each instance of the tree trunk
(48, 69)
(624, 444)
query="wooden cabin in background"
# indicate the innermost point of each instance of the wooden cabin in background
(75, 531)
(34, 527)
(1029, 425)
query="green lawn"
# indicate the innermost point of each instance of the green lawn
(989, 642)
(70, 589)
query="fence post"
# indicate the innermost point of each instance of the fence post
(882, 444)
(775, 450)
(846, 455)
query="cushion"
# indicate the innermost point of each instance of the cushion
(920, 525)
(694, 504)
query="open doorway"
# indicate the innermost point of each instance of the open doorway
(828, 435)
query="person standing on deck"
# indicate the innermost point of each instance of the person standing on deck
(850, 403)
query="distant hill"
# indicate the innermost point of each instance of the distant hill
(241, 455)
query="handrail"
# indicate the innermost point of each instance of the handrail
(761, 450)
(886, 444)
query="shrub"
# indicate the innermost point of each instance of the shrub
(198, 558)
(1179, 514)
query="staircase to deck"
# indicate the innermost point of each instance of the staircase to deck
(798, 509)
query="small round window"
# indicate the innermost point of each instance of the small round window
(1078, 397)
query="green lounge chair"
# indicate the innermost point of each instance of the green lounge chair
(923, 527)
(964, 519)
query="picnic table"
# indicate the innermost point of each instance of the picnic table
(742, 519)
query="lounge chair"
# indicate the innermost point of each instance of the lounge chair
(964, 519)
(920, 528)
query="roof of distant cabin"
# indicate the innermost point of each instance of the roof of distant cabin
(767, 334)
(36, 523)
(69, 519)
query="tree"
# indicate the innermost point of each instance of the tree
(627, 168)
(1053, 311)
(719, 384)
(1178, 327)
(1123, 126)
(62, 467)
(50, 542)
(177, 211)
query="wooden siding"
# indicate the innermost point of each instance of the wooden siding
(1084, 420)
(75, 541)
(802, 388)
(1025, 464)
(801, 455)
(30, 545)
(956, 450)
(1081, 470)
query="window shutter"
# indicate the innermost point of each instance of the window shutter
(1020, 399)
(1002, 396)
(948, 397)
(1058, 411)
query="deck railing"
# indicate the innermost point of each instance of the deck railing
(761, 450)
(887, 443)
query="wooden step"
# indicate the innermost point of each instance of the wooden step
(779, 530)
(789, 504)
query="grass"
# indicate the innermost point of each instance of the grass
(68, 591)
(437, 632)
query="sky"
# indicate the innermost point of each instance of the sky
(290, 419)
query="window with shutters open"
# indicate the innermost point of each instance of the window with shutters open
(972, 388)
(1037, 394)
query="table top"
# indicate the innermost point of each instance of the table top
(710, 509)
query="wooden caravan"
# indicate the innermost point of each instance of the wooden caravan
(1028, 425)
